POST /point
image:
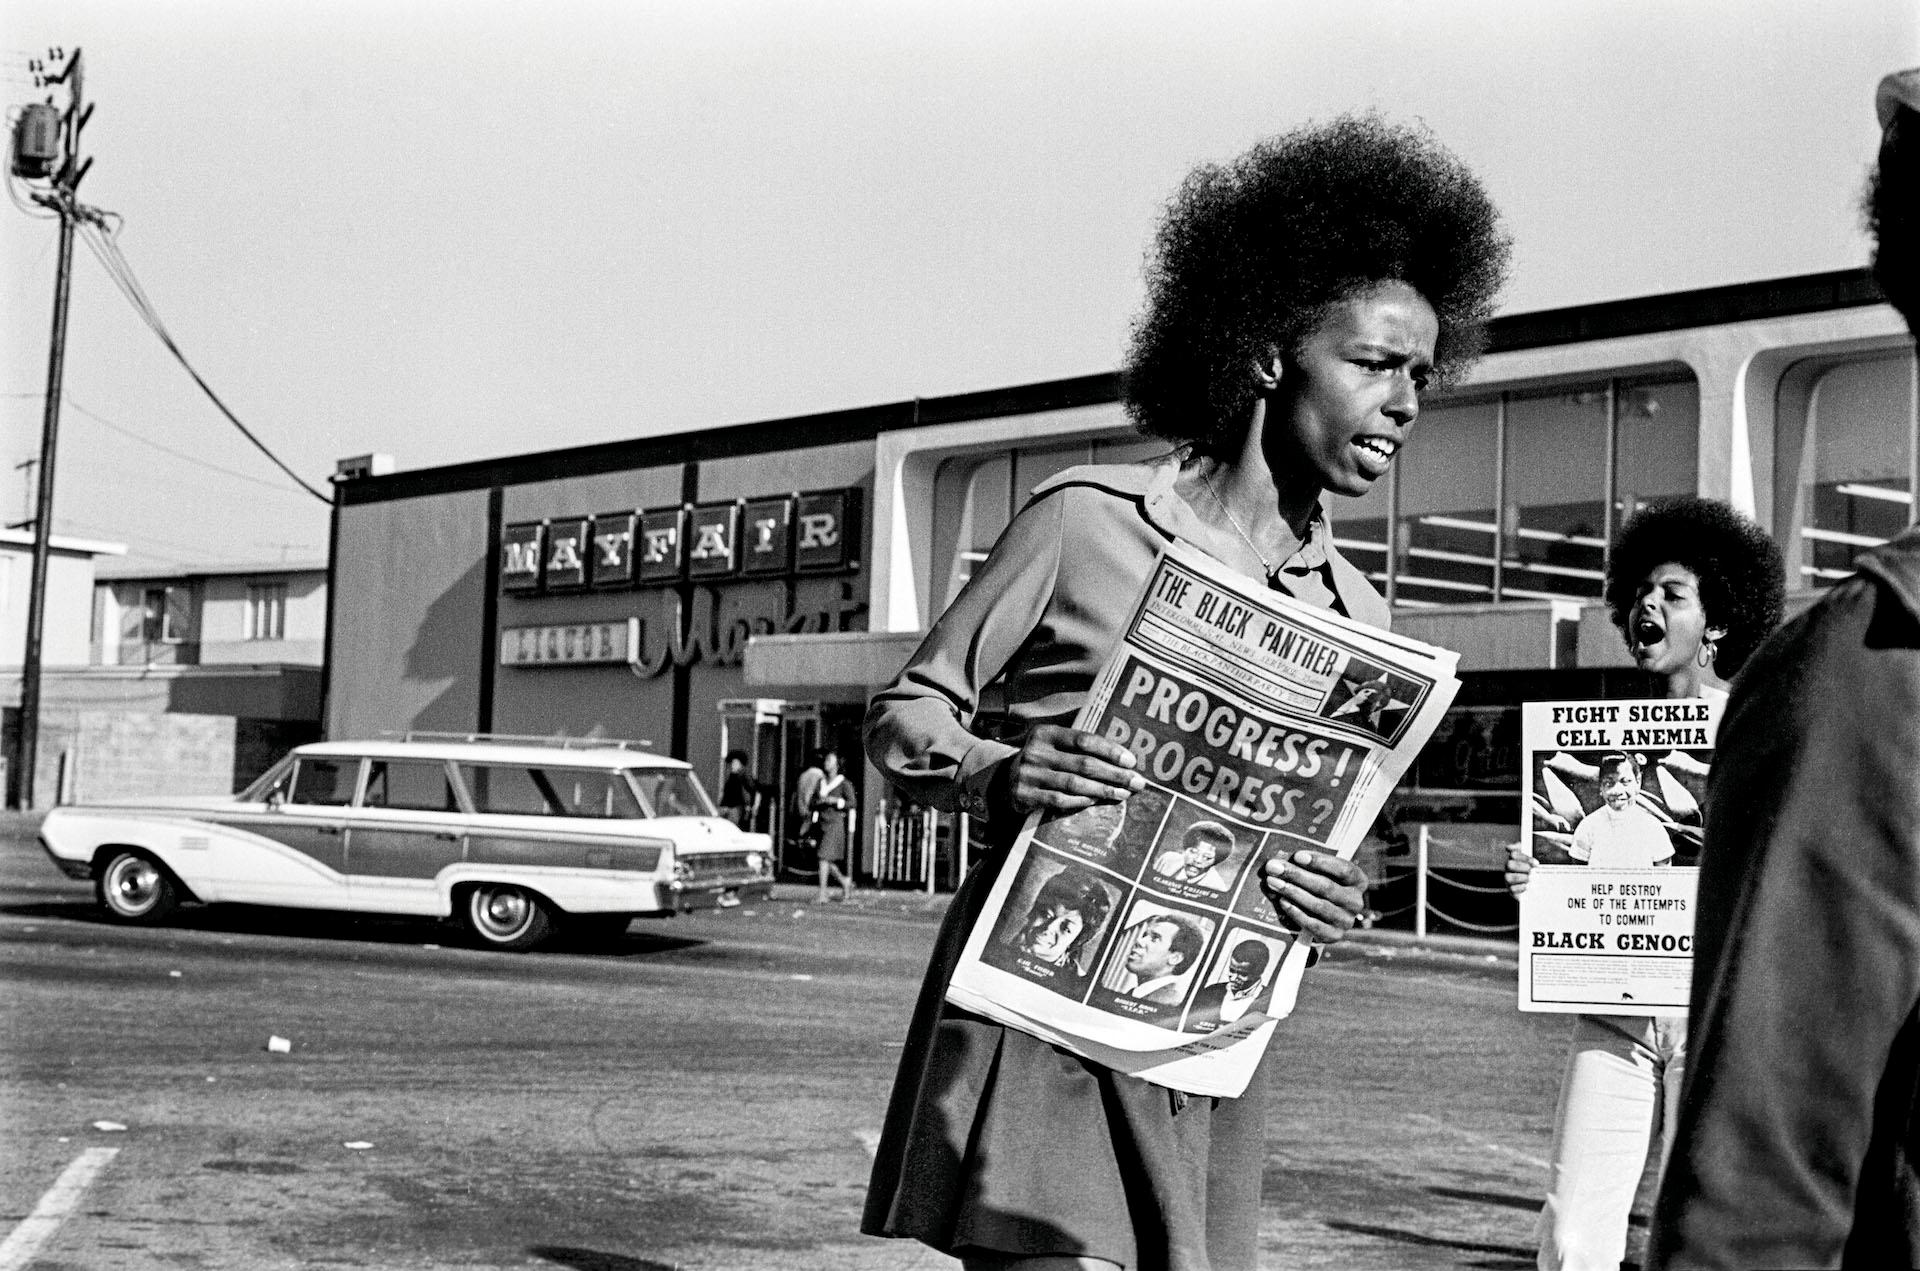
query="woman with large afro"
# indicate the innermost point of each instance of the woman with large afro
(1300, 299)
(1693, 587)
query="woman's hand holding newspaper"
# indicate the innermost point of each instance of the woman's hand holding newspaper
(1064, 769)
(1316, 892)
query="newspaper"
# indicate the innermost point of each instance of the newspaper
(1137, 934)
(1610, 805)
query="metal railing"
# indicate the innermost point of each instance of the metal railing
(916, 846)
(1425, 877)
(908, 845)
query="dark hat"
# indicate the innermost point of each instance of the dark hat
(1902, 88)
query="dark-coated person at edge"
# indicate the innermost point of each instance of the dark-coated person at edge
(1799, 1136)
(1299, 300)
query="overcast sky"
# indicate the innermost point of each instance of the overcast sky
(456, 230)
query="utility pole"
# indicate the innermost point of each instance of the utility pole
(46, 146)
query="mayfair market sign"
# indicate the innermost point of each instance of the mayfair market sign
(779, 537)
(749, 540)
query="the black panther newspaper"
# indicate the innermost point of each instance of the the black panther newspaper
(1138, 934)
(1610, 802)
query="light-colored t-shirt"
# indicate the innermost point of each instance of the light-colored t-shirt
(1628, 839)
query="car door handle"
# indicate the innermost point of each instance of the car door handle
(328, 829)
(444, 836)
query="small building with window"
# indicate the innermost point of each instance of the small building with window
(187, 681)
(211, 615)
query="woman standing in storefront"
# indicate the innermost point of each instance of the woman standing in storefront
(834, 815)
(1299, 301)
(1693, 587)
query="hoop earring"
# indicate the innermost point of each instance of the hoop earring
(1708, 653)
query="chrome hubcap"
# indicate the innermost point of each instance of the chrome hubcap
(502, 913)
(133, 883)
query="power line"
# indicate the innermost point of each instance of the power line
(196, 555)
(128, 433)
(107, 252)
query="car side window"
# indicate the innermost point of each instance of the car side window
(409, 785)
(509, 790)
(326, 782)
(513, 790)
(593, 792)
(672, 792)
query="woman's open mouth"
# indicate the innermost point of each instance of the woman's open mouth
(1647, 633)
(1376, 453)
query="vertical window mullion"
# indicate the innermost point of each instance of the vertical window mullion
(1393, 533)
(1613, 463)
(1913, 438)
(1499, 498)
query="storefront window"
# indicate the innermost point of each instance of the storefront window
(1445, 541)
(974, 496)
(1545, 460)
(1498, 497)
(1556, 497)
(1857, 487)
(971, 506)
(1657, 446)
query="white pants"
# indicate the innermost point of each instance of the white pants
(1622, 1082)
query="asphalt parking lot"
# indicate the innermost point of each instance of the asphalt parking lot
(703, 1094)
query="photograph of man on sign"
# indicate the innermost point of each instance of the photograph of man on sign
(1613, 809)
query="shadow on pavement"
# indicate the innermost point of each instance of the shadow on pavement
(595, 1260)
(1522, 1257)
(1530, 1204)
(314, 924)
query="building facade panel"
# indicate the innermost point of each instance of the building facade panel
(409, 593)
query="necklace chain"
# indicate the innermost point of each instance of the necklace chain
(1234, 521)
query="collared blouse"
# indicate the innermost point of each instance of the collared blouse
(1023, 641)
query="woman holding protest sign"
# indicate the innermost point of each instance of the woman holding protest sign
(1693, 587)
(1299, 301)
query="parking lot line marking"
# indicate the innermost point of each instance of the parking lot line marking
(23, 1243)
(1475, 1139)
(869, 1139)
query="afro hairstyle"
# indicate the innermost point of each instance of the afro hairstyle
(1250, 256)
(1892, 206)
(1742, 575)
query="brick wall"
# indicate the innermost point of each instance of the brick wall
(135, 755)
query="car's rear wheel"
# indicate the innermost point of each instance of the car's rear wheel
(132, 887)
(505, 917)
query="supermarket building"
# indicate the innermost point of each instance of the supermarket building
(748, 586)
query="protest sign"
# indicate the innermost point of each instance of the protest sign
(1611, 800)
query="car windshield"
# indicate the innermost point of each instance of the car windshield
(267, 783)
(671, 791)
(538, 790)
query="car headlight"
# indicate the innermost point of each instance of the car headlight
(755, 861)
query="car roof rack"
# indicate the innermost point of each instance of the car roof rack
(560, 741)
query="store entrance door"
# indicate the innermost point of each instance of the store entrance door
(777, 737)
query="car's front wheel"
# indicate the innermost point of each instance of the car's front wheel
(505, 917)
(132, 887)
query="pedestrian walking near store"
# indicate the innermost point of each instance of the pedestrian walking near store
(1692, 586)
(1798, 1143)
(739, 793)
(1300, 299)
(835, 813)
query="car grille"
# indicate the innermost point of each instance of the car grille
(707, 864)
